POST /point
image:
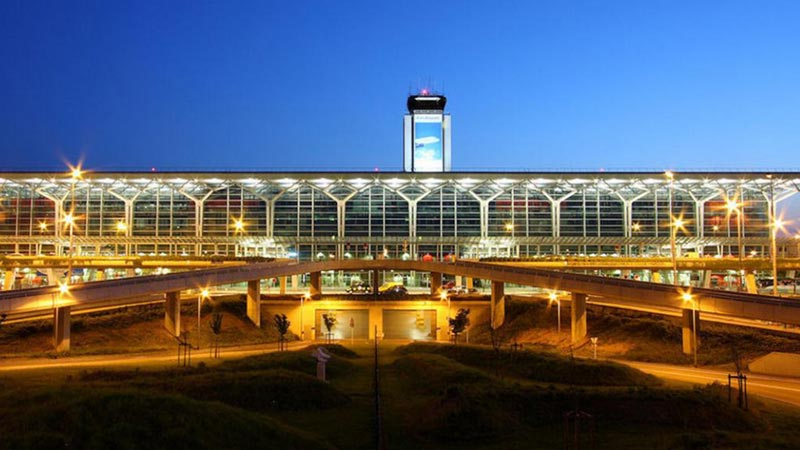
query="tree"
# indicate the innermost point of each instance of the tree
(459, 323)
(329, 321)
(282, 324)
(216, 328)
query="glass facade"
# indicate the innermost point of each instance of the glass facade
(335, 215)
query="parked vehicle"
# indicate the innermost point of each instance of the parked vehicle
(393, 288)
(360, 289)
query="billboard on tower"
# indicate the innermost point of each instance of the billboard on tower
(428, 143)
(426, 134)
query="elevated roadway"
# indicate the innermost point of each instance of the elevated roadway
(613, 291)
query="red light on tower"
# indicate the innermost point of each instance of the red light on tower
(424, 92)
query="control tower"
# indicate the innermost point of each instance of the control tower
(426, 134)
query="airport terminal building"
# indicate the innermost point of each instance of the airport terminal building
(425, 211)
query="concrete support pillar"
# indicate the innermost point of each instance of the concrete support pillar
(172, 313)
(687, 325)
(283, 285)
(376, 281)
(707, 279)
(8, 280)
(61, 329)
(498, 305)
(254, 302)
(436, 282)
(52, 277)
(469, 282)
(578, 313)
(750, 283)
(315, 287)
(295, 282)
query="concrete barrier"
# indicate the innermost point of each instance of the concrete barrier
(777, 363)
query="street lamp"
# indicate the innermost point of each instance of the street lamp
(444, 297)
(777, 224)
(306, 296)
(554, 298)
(687, 297)
(238, 226)
(122, 227)
(676, 224)
(733, 206)
(203, 294)
(69, 219)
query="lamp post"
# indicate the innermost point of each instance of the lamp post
(42, 231)
(554, 298)
(676, 223)
(687, 297)
(203, 294)
(306, 296)
(777, 224)
(635, 228)
(734, 206)
(122, 227)
(69, 219)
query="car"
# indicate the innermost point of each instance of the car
(461, 290)
(392, 288)
(360, 288)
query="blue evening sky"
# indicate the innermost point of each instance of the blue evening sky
(321, 85)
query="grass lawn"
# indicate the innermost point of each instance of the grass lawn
(433, 396)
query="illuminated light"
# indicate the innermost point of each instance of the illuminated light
(424, 92)
(679, 223)
(43, 226)
(238, 225)
(69, 219)
(732, 205)
(715, 228)
(636, 226)
(686, 296)
(204, 293)
(552, 296)
(122, 226)
(509, 227)
(63, 288)
(75, 172)
(669, 174)
(152, 169)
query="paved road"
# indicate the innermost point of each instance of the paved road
(150, 359)
(783, 389)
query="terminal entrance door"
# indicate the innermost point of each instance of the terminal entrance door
(341, 329)
(419, 325)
